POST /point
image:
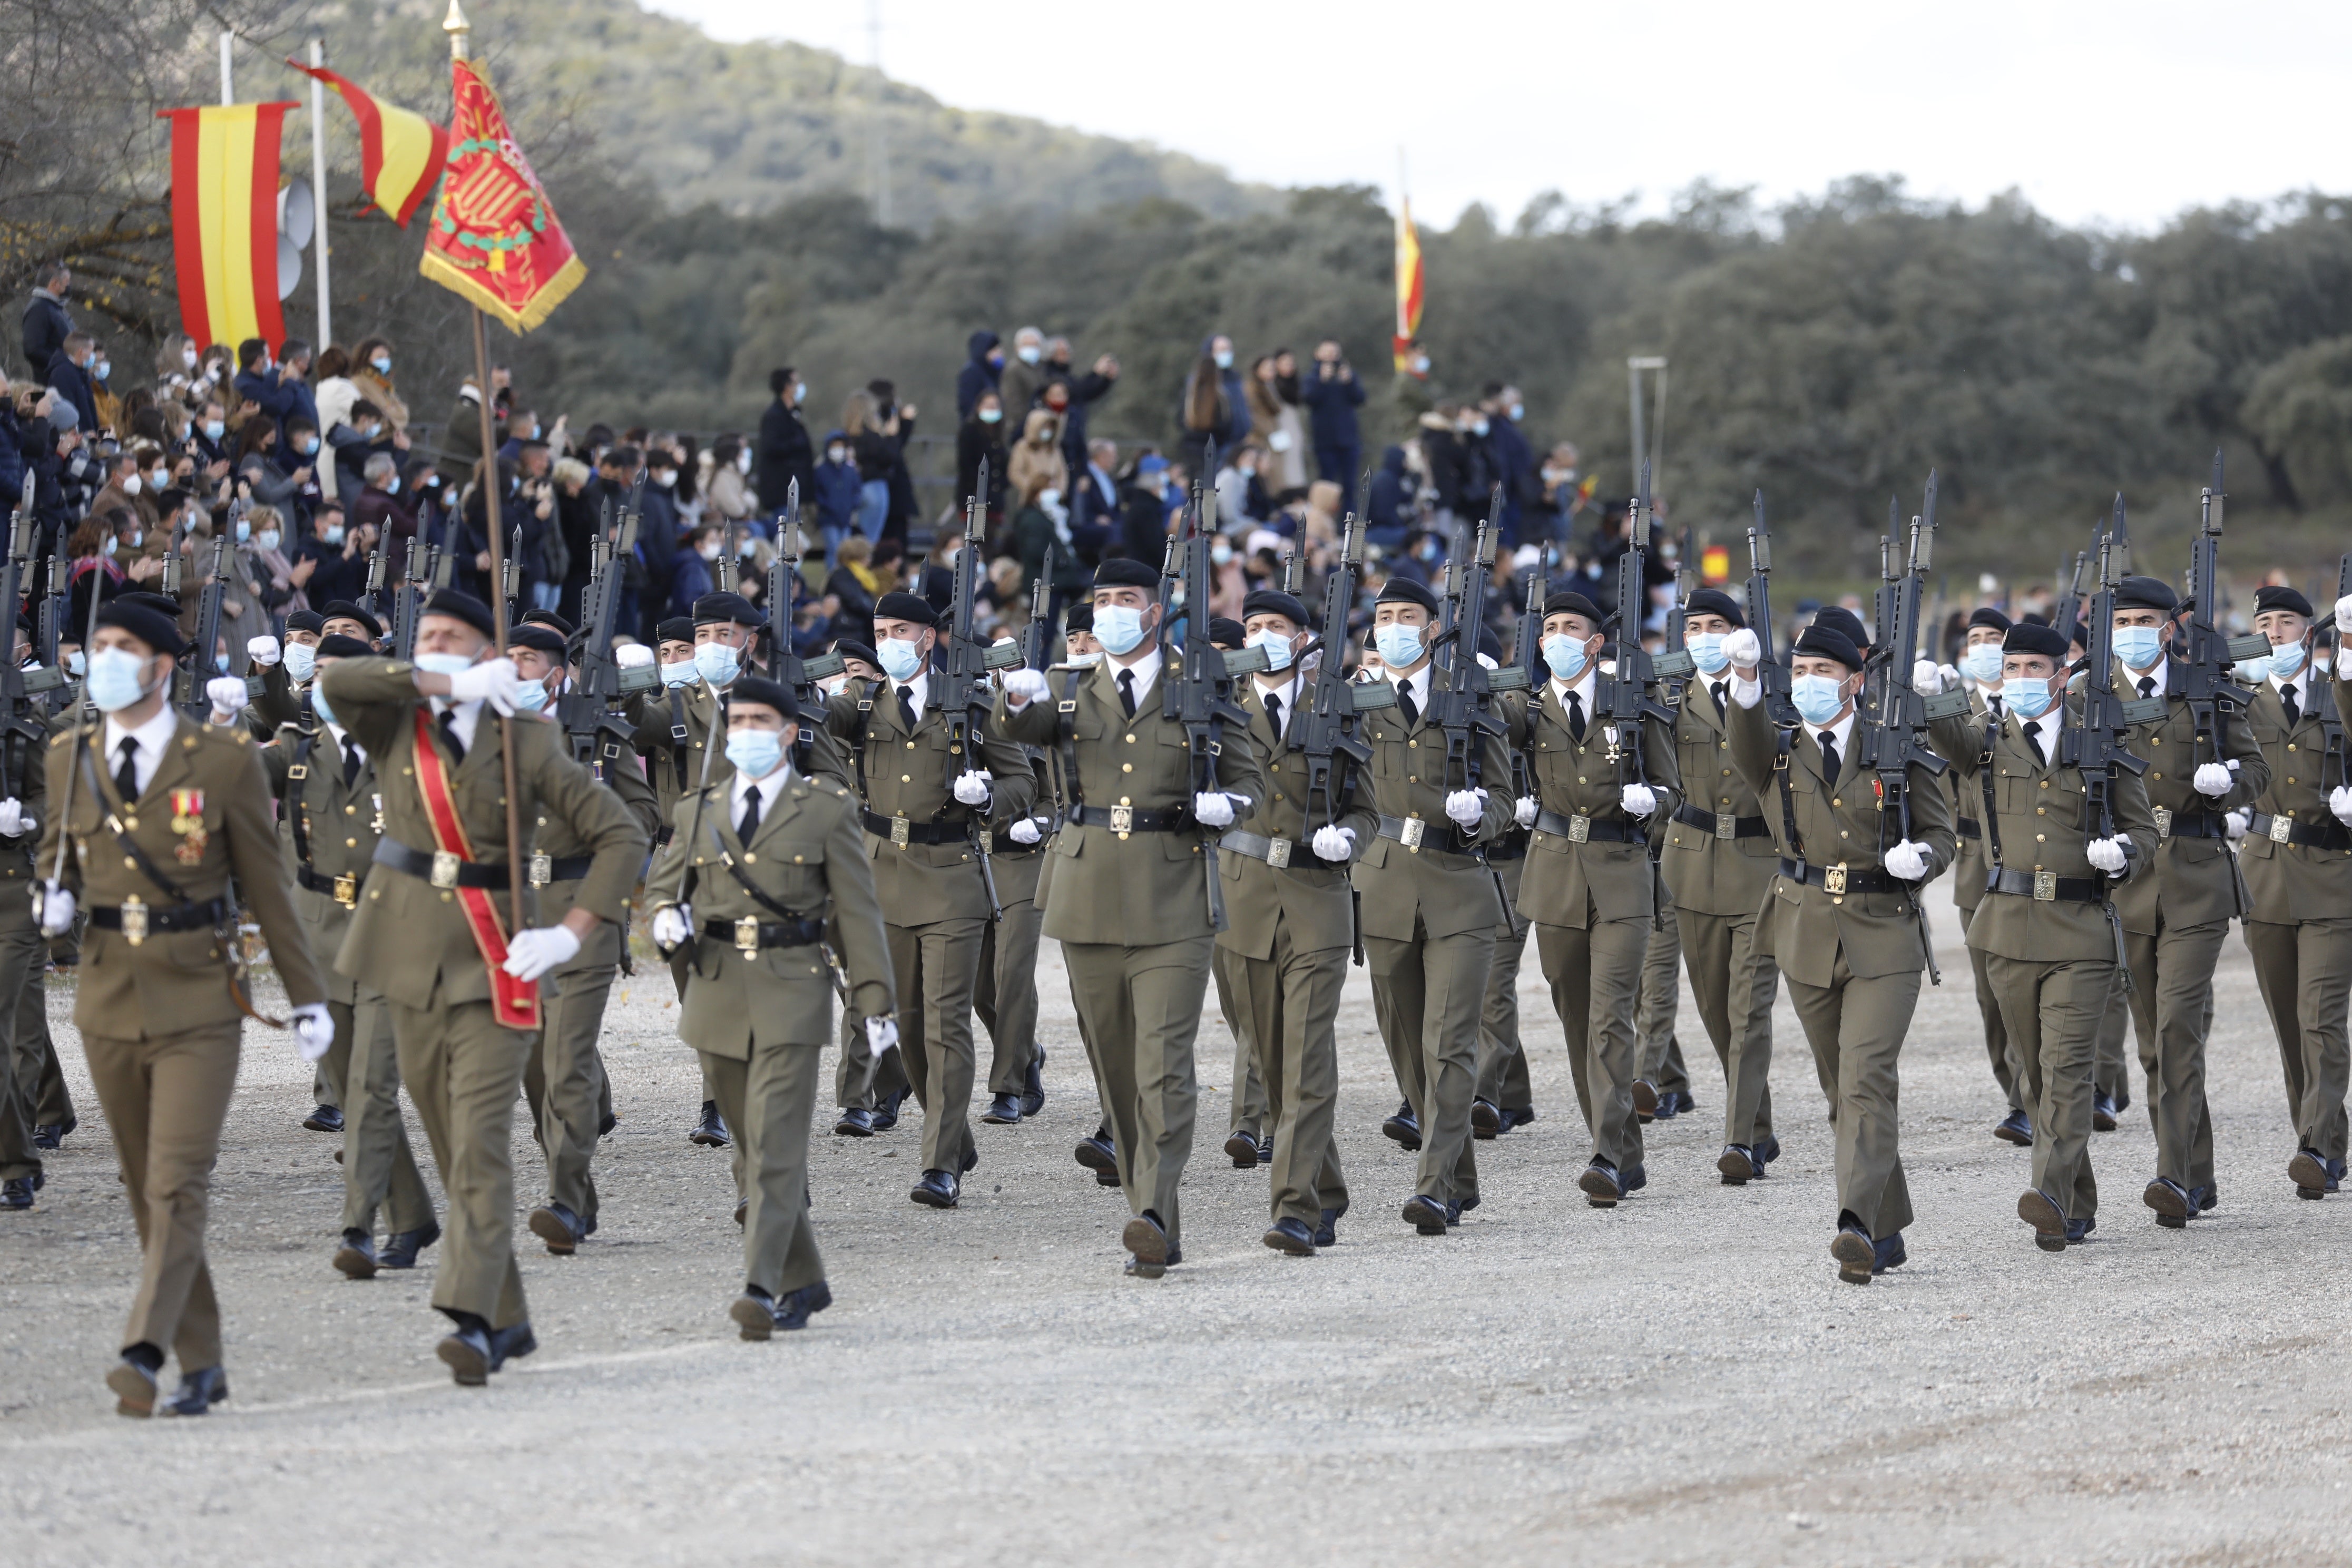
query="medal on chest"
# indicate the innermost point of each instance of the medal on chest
(188, 822)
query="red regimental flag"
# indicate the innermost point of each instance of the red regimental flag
(514, 1003)
(494, 236)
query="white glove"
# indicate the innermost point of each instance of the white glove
(492, 681)
(1742, 650)
(1466, 806)
(2238, 821)
(56, 908)
(2339, 801)
(1335, 844)
(263, 651)
(1023, 687)
(881, 1035)
(2214, 779)
(1947, 678)
(1927, 679)
(535, 952)
(1026, 831)
(2107, 854)
(14, 818)
(1639, 800)
(971, 788)
(1524, 811)
(673, 923)
(314, 1030)
(1907, 860)
(2343, 616)
(227, 695)
(632, 656)
(1211, 809)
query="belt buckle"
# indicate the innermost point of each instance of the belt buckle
(747, 935)
(1277, 853)
(899, 829)
(1727, 825)
(1122, 820)
(1414, 830)
(134, 921)
(1579, 829)
(542, 870)
(444, 870)
(2282, 830)
(2163, 821)
(1833, 879)
(2046, 885)
(347, 888)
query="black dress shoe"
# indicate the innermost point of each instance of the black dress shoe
(1768, 1151)
(1095, 1153)
(133, 1383)
(2102, 1112)
(1241, 1148)
(755, 1312)
(799, 1306)
(2122, 1100)
(1004, 1110)
(2040, 1210)
(1425, 1214)
(1600, 1186)
(2079, 1230)
(970, 1159)
(559, 1227)
(16, 1192)
(1404, 1126)
(1467, 1205)
(742, 1207)
(937, 1190)
(1891, 1253)
(324, 1119)
(1453, 1212)
(1265, 1150)
(198, 1392)
(1671, 1104)
(1147, 1241)
(856, 1122)
(2172, 1203)
(2015, 1128)
(1738, 1165)
(1327, 1233)
(1857, 1259)
(1032, 1089)
(2206, 1196)
(1486, 1121)
(356, 1258)
(886, 1115)
(467, 1353)
(1635, 1177)
(1292, 1237)
(2311, 1174)
(1645, 1098)
(47, 1137)
(711, 1130)
(605, 1127)
(400, 1252)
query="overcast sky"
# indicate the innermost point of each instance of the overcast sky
(2123, 114)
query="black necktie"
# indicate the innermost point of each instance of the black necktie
(907, 705)
(1576, 716)
(126, 774)
(351, 762)
(1274, 715)
(2033, 738)
(1718, 688)
(448, 721)
(1126, 692)
(1406, 705)
(2146, 686)
(2294, 709)
(750, 822)
(1831, 760)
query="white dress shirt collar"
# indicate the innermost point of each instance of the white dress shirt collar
(917, 688)
(153, 737)
(469, 718)
(2300, 684)
(1841, 732)
(2132, 678)
(1583, 687)
(1146, 669)
(768, 788)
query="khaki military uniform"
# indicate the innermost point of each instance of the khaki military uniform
(1503, 1080)
(1968, 892)
(1129, 906)
(1658, 1002)
(410, 941)
(282, 700)
(758, 1002)
(23, 956)
(1005, 995)
(159, 1025)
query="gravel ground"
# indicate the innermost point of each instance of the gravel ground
(1679, 1380)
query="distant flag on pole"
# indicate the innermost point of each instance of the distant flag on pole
(401, 152)
(1408, 284)
(225, 220)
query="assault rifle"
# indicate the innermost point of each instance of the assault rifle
(790, 670)
(1769, 671)
(407, 600)
(2098, 742)
(2069, 608)
(727, 571)
(189, 693)
(1622, 699)
(21, 734)
(1037, 637)
(2206, 651)
(586, 709)
(1323, 726)
(1462, 706)
(378, 593)
(511, 578)
(967, 694)
(1201, 698)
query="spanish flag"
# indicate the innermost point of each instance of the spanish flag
(1408, 284)
(225, 220)
(401, 152)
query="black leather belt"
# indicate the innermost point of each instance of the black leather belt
(1128, 819)
(2327, 834)
(343, 889)
(1511, 846)
(2190, 825)
(1591, 829)
(2046, 887)
(443, 870)
(1842, 878)
(176, 917)
(1968, 827)
(903, 830)
(1412, 832)
(1282, 854)
(751, 935)
(1713, 822)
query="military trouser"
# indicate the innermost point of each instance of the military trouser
(1139, 1013)
(1855, 1027)
(1734, 998)
(2305, 974)
(564, 1083)
(22, 954)
(165, 1097)
(937, 965)
(768, 1101)
(1289, 1012)
(1596, 979)
(2172, 1009)
(1005, 995)
(858, 1080)
(2111, 1067)
(1502, 1058)
(681, 968)
(1996, 1035)
(2051, 1011)
(464, 1071)
(1251, 1114)
(1427, 995)
(38, 1068)
(1658, 1053)
(379, 1170)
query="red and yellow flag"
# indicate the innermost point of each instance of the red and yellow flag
(225, 220)
(494, 236)
(401, 152)
(1408, 284)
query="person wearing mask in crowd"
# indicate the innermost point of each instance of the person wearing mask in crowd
(577, 521)
(381, 506)
(1041, 524)
(125, 489)
(1474, 431)
(786, 456)
(1037, 453)
(690, 567)
(831, 497)
(1021, 381)
(727, 494)
(983, 363)
(1095, 499)
(363, 434)
(981, 439)
(331, 560)
(461, 436)
(48, 323)
(333, 397)
(1085, 389)
(1513, 458)
(1332, 395)
(370, 372)
(900, 416)
(68, 376)
(273, 478)
(1562, 495)
(262, 380)
(1240, 499)
(1214, 406)
(875, 442)
(1441, 435)
(108, 402)
(1143, 508)
(1275, 420)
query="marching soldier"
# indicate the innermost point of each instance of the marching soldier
(925, 810)
(1129, 902)
(1842, 919)
(1661, 1081)
(159, 814)
(430, 932)
(1505, 1098)
(1588, 888)
(1249, 1128)
(755, 868)
(2045, 924)
(1005, 995)
(1079, 652)
(1980, 662)
(23, 956)
(343, 618)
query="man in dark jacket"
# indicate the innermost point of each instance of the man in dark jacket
(785, 458)
(1389, 502)
(47, 321)
(1332, 395)
(1092, 387)
(264, 381)
(68, 371)
(984, 362)
(1514, 458)
(1143, 511)
(340, 555)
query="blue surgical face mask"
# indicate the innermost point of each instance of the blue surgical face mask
(1225, 358)
(2255, 671)
(301, 658)
(114, 679)
(1518, 412)
(319, 705)
(685, 672)
(900, 658)
(220, 663)
(1221, 553)
(112, 544)
(2286, 660)
(443, 663)
(309, 445)
(2028, 698)
(75, 664)
(268, 539)
(1030, 353)
(1982, 664)
(1119, 627)
(1399, 645)
(334, 535)
(990, 416)
(530, 697)
(1564, 655)
(243, 529)
(754, 753)
(1818, 698)
(716, 662)
(1276, 645)
(213, 429)
(2137, 647)
(1083, 660)
(1707, 651)
(383, 364)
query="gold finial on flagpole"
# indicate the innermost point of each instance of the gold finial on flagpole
(457, 26)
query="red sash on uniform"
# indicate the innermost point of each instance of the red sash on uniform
(514, 1003)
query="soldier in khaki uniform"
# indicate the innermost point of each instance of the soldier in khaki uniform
(23, 954)
(1128, 900)
(1842, 919)
(1290, 924)
(160, 813)
(1980, 662)
(1429, 905)
(430, 923)
(2045, 924)
(1005, 995)
(753, 871)
(927, 802)
(1249, 1128)
(2176, 913)
(1505, 1097)
(327, 792)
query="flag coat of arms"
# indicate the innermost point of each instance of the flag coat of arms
(494, 236)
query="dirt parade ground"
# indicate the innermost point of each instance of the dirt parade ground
(1681, 1380)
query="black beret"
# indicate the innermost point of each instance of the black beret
(1490, 644)
(1274, 602)
(1568, 602)
(541, 639)
(1986, 615)
(341, 647)
(906, 607)
(1716, 602)
(549, 618)
(675, 628)
(1405, 590)
(2144, 593)
(305, 621)
(1843, 621)
(2080, 636)
(2027, 638)
(725, 609)
(1226, 632)
(1819, 641)
(1119, 571)
(848, 648)
(463, 608)
(765, 692)
(2281, 598)
(159, 631)
(160, 603)
(344, 610)
(1078, 617)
